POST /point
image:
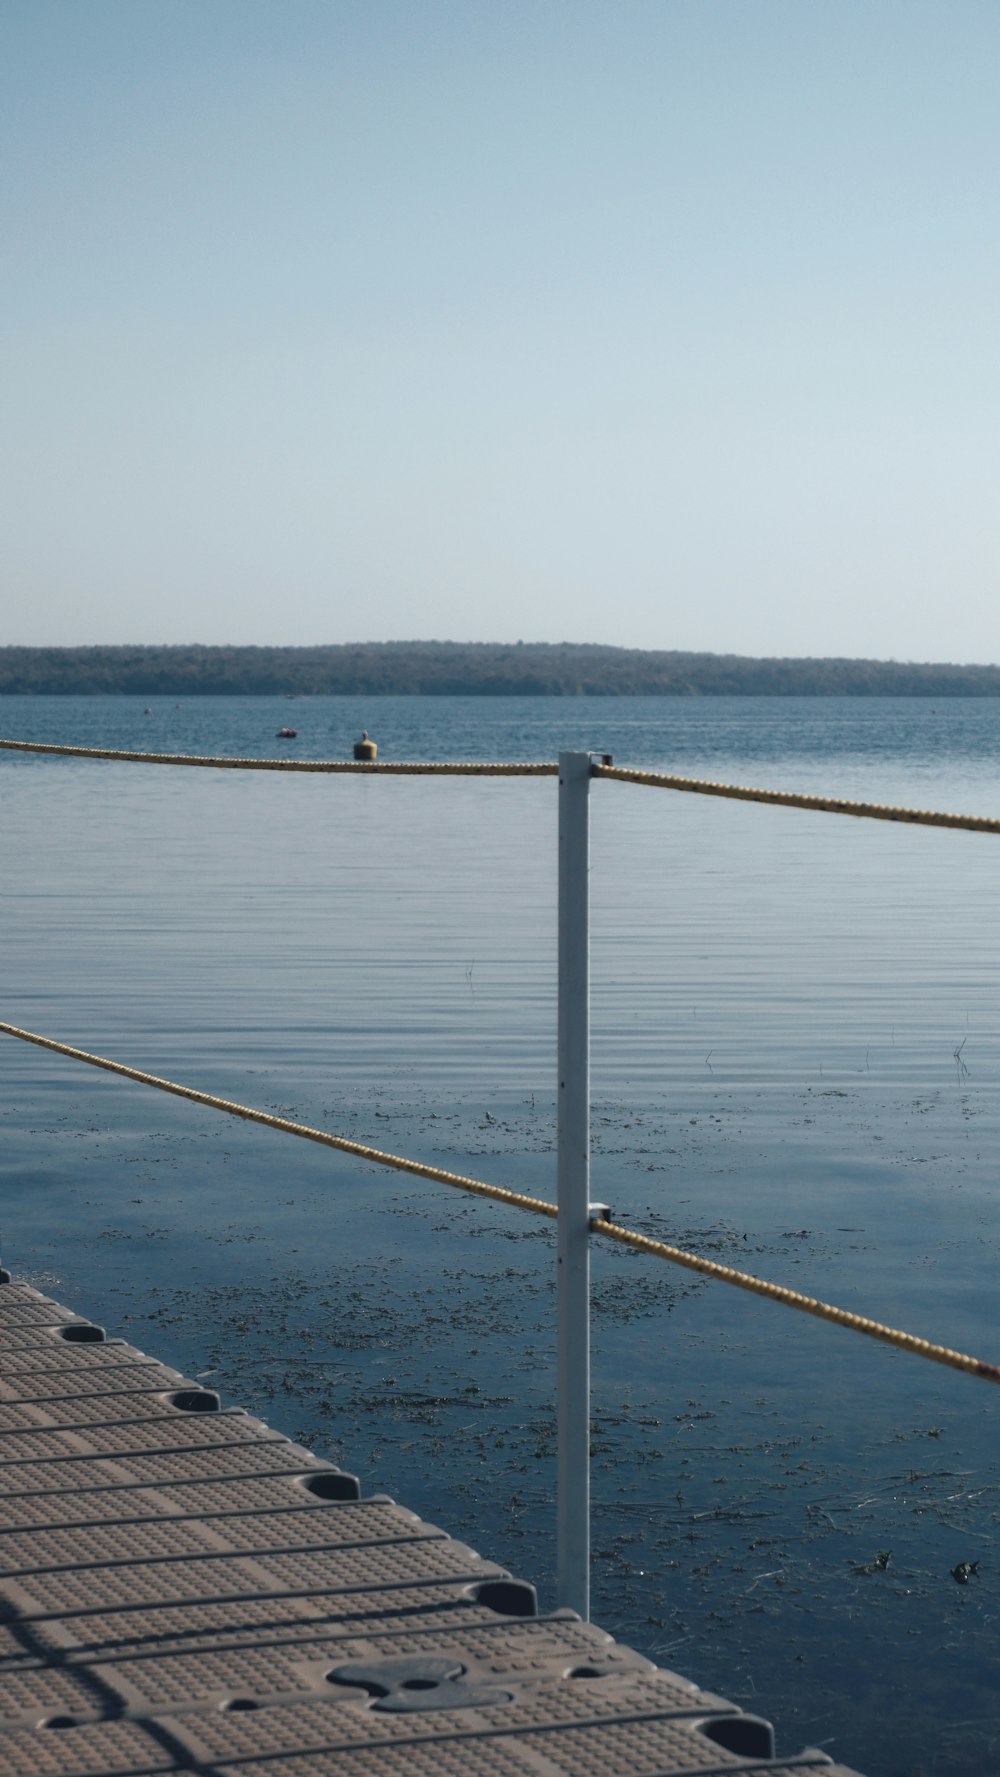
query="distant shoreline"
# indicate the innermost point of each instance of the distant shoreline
(468, 669)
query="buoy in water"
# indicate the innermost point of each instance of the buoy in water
(365, 748)
(287, 733)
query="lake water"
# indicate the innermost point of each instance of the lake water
(796, 1070)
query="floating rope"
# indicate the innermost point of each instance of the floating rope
(775, 1292)
(870, 811)
(517, 1199)
(369, 767)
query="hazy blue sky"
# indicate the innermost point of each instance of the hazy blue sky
(668, 323)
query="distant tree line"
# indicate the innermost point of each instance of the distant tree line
(478, 669)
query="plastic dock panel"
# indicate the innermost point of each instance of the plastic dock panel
(184, 1590)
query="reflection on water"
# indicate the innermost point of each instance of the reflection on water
(796, 1058)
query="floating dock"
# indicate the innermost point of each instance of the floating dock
(182, 1589)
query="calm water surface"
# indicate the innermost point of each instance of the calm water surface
(797, 1056)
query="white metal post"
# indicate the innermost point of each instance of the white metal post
(573, 1365)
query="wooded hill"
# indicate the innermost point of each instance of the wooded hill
(479, 669)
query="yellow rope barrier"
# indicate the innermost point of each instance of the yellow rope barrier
(857, 1323)
(517, 1199)
(776, 1292)
(871, 811)
(366, 767)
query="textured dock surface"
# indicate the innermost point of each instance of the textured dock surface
(183, 1589)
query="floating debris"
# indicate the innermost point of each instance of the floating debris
(879, 1564)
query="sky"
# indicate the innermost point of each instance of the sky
(659, 323)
